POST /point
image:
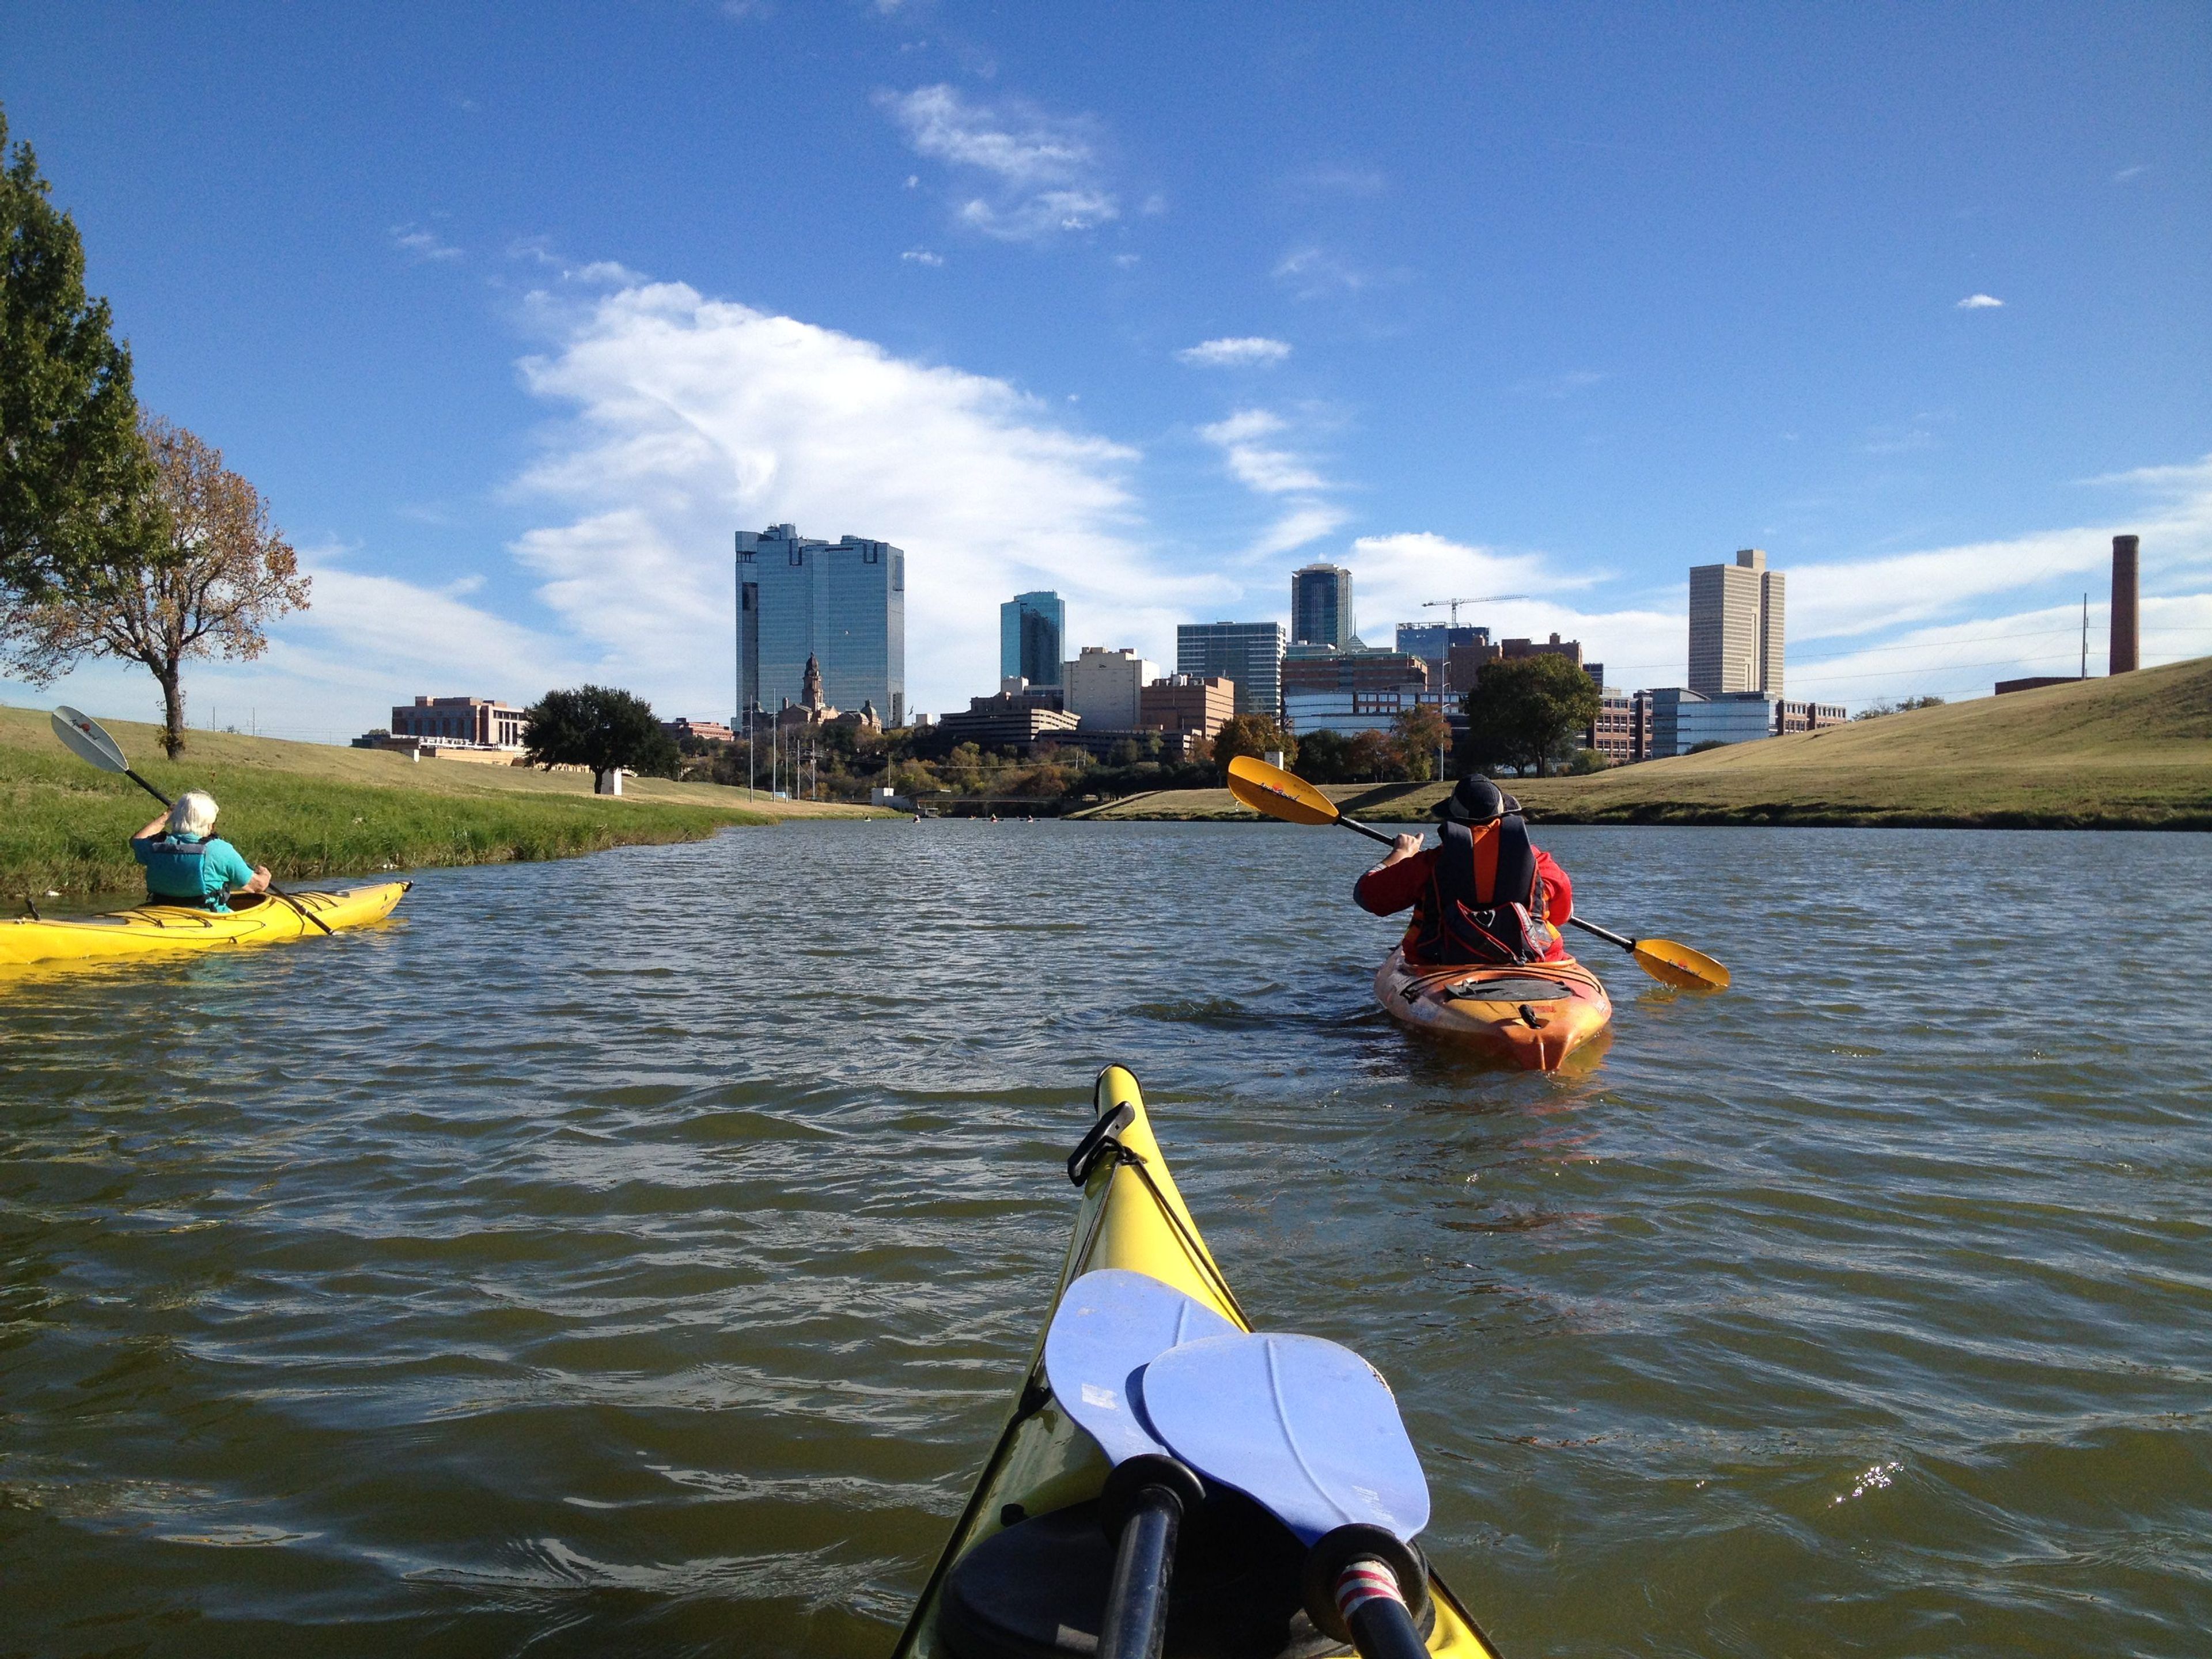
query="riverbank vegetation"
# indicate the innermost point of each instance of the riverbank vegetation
(2133, 753)
(309, 811)
(927, 766)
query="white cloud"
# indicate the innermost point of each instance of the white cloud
(1979, 302)
(1256, 465)
(1042, 170)
(1306, 521)
(421, 245)
(2126, 173)
(367, 641)
(1396, 577)
(695, 417)
(923, 256)
(1244, 351)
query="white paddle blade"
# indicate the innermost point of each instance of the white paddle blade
(82, 736)
(1111, 1325)
(1306, 1427)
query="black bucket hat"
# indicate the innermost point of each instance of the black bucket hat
(1476, 800)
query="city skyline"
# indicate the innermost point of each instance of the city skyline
(1059, 302)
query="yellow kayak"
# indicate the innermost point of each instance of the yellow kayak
(155, 930)
(1045, 1473)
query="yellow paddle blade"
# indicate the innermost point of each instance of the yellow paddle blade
(1678, 964)
(1271, 790)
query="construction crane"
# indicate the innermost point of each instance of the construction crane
(1485, 598)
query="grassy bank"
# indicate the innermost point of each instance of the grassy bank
(2129, 753)
(307, 809)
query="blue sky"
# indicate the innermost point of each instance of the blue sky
(515, 315)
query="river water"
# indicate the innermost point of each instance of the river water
(636, 1254)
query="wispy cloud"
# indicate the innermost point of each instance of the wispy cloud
(1310, 273)
(1243, 352)
(2126, 173)
(1257, 464)
(421, 245)
(1980, 302)
(923, 256)
(1042, 172)
(1306, 521)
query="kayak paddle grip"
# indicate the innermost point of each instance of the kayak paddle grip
(1143, 1509)
(1366, 1586)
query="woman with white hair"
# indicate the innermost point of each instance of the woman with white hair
(187, 864)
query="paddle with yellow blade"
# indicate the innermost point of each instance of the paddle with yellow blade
(1279, 794)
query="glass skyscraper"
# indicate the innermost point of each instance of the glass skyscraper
(1032, 638)
(1321, 606)
(842, 603)
(1249, 654)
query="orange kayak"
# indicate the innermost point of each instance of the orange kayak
(1532, 1017)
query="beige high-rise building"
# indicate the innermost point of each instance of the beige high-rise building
(1736, 623)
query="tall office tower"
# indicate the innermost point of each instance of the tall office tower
(842, 603)
(1321, 606)
(1031, 629)
(1737, 627)
(1249, 654)
(2127, 551)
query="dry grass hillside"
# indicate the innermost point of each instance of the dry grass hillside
(2131, 752)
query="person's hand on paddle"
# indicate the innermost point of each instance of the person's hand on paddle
(1401, 849)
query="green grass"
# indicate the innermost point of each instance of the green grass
(310, 811)
(2129, 753)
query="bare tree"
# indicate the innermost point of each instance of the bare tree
(208, 586)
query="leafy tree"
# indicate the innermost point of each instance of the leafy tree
(208, 587)
(1587, 761)
(598, 726)
(1523, 713)
(1417, 737)
(1366, 757)
(1254, 735)
(1881, 706)
(75, 481)
(1324, 757)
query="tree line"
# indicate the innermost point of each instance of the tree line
(122, 535)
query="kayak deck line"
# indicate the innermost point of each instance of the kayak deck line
(1133, 1216)
(156, 929)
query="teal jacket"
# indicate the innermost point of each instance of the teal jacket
(186, 870)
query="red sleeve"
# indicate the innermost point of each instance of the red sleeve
(1559, 891)
(1382, 892)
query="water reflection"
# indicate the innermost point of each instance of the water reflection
(634, 1253)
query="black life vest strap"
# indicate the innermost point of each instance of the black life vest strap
(1464, 924)
(1516, 882)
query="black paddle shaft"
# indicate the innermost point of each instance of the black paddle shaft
(1149, 1495)
(1366, 1585)
(1381, 1627)
(148, 788)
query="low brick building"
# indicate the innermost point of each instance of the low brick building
(1187, 702)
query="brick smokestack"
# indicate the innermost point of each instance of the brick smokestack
(2125, 640)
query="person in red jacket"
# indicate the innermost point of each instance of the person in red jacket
(1486, 895)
